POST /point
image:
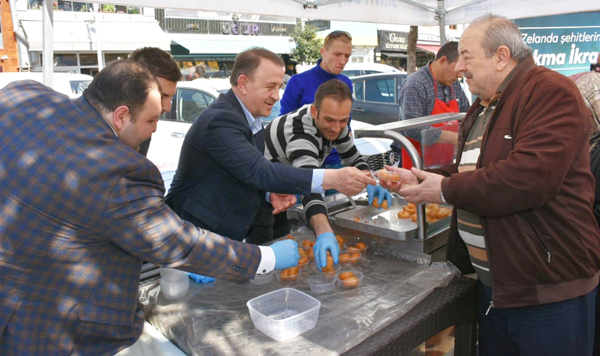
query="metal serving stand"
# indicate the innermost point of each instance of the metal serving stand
(418, 241)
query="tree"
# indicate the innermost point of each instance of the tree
(308, 46)
(411, 51)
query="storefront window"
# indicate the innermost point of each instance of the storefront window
(67, 59)
(62, 5)
(88, 59)
(110, 57)
(1, 39)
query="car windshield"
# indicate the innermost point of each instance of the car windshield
(78, 86)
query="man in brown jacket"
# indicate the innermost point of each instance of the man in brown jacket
(522, 193)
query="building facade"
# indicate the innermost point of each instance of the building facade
(9, 55)
(87, 36)
(205, 44)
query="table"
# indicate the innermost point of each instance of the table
(455, 304)
(395, 310)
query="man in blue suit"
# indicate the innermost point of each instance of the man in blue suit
(79, 211)
(223, 179)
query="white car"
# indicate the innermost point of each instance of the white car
(356, 69)
(69, 84)
(194, 97)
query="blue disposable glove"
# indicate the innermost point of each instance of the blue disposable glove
(326, 241)
(198, 278)
(286, 253)
(376, 191)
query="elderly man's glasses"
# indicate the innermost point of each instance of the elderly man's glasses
(336, 34)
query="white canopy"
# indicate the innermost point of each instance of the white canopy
(403, 12)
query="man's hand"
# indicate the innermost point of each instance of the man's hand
(326, 242)
(286, 253)
(427, 192)
(281, 202)
(407, 178)
(348, 181)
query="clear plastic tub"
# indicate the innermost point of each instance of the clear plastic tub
(262, 278)
(173, 290)
(284, 313)
(346, 257)
(336, 268)
(352, 282)
(321, 283)
(173, 283)
(287, 279)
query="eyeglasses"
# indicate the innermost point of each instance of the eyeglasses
(335, 34)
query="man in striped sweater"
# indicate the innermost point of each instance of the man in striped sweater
(305, 137)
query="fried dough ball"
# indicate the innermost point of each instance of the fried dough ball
(385, 204)
(345, 275)
(361, 245)
(403, 214)
(383, 174)
(413, 217)
(350, 282)
(376, 203)
(343, 258)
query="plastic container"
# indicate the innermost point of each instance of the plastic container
(287, 279)
(336, 268)
(322, 282)
(284, 313)
(173, 283)
(352, 248)
(348, 259)
(262, 278)
(347, 283)
(303, 266)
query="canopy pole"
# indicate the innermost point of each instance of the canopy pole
(48, 39)
(97, 26)
(441, 17)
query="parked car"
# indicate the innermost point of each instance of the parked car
(69, 84)
(356, 69)
(191, 99)
(376, 97)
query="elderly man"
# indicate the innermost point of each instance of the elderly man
(522, 193)
(223, 176)
(432, 90)
(166, 72)
(81, 210)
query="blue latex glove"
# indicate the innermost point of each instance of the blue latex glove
(376, 191)
(326, 241)
(286, 253)
(198, 278)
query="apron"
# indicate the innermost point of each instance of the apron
(438, 154)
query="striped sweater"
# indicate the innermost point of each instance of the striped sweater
(294, 140)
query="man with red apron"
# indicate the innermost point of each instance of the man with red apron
(419, 97)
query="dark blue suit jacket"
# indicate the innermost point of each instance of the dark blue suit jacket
(222, 173)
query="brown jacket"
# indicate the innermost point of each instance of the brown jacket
(534, 191)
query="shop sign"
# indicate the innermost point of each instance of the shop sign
(321, 25)
(393, 41)
(564, 43)
(239, 29)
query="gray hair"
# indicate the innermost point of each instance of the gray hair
(500, 31)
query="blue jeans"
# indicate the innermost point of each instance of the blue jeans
(562, 329)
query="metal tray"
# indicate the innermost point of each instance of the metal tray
(383, 222)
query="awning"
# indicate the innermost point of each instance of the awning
(184, 44)
(114, 36)
(429, 48)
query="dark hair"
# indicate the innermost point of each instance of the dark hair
(334, 89)
(246, 62)
(121, 83)
(449, 50)
(332, 36)
(158, 62)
